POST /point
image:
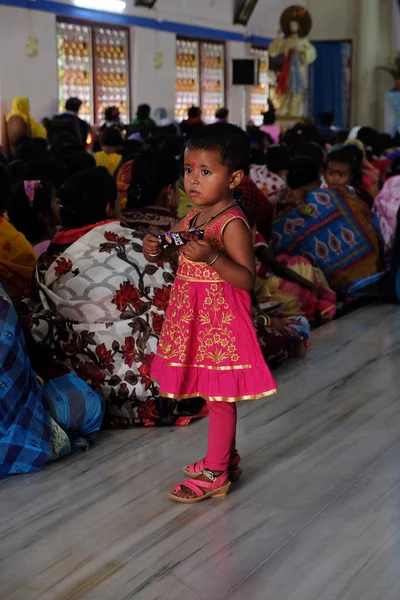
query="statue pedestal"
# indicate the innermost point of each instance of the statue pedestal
(392, 112)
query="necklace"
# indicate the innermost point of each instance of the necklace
(233, 203)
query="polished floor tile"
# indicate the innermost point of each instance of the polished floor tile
(315, 517)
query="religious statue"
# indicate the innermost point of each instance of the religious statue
(297, 53)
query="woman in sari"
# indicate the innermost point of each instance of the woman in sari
(332, 228)
(101, 306)
(20, 123)
(39, 421)
(386, 207)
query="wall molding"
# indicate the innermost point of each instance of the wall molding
(68, 10)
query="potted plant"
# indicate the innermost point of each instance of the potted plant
(393, 67)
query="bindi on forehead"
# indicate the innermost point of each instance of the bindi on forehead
(193, 164)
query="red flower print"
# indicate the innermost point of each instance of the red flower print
(157, 323)
(89, 372)
(144, 370)
(161, 297)
(129, 351)
(63, 266)
(127, 296)
(113, 237)
(105, 357)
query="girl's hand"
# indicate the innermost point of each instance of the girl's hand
(200, 251)
(151, 246)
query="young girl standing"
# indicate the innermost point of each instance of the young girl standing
(208, 346)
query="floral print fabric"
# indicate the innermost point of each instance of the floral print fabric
(101, 306)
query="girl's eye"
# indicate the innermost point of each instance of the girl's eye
(206, 172)
(188, 170)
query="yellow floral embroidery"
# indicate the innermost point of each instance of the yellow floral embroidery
(216, 340)
(176, 331)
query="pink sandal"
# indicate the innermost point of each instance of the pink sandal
(218, 486)
(234, 470)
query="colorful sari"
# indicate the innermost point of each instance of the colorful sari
(385, 208)
(335, 232)
(296, 300)
(17, 260)
(123, 179)
(101, 306)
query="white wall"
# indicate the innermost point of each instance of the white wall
(20, 75)
(148, 84)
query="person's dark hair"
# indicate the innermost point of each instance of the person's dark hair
(3, 159)
(65, 143)
(257, 156)
(394, 168)
(46, 169)
(143, 112)
(172, 146)
(24, 214)
(78, 161)
(29, 147)
(369, 137)
(269, 117)
(327, 118)
(73, 104)
(111, 137)
(339, 156)
(341, 136)
(230, 141)
(277, 158)
(302, 171)
(384, 142)
(111, 113)
(84, 197)
(151, 173)
(131, 148)
(356, 156)
(312, 150)
(222, 113)
(194, 112)
(5, 188)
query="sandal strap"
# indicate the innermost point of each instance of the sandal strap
(196, 468)
(193, 484)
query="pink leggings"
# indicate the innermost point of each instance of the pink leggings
(221, 435)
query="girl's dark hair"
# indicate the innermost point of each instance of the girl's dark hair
(302, 171)
(230, 141)
(143, 112)
(311, 150)
(277, 158)
(356, 156)
(84, 197)
(111, 136)
(24, 213)
(342, 157)
(46, 169)
(151, 173)
(30, 148)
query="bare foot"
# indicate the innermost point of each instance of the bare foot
(187, 493)
(301, 350)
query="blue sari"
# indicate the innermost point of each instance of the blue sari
(335, 232)
(38, 424)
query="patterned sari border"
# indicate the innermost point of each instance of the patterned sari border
(216, 398)
(194, 279)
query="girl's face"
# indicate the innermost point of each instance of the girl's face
(207, 180)
(337, 174)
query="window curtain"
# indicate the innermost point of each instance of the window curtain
(329, 81)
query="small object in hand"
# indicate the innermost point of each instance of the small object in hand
(175, 239)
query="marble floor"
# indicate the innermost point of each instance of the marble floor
(316, 515)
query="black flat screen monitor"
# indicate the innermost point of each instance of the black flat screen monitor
(244, 71)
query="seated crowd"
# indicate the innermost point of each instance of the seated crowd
(81, 310)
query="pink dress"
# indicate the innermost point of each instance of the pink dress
(208, 346)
